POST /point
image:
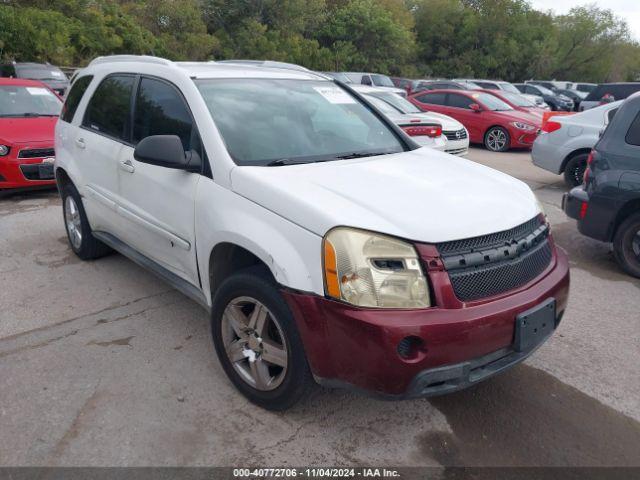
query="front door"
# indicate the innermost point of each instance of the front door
(157, 203)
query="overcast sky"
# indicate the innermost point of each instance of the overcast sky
(627, 9)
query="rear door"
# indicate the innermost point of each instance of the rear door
(97, 145)
(157, 203)
(460, 108)
(434, 102)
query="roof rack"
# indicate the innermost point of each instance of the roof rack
(130, 58)
(267, 64)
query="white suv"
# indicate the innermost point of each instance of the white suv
(327, 245)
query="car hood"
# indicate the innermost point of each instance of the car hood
(422, 195)
(27, 130)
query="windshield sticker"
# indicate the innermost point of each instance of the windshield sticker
(38, 91)
(335, 95)
(56, 74)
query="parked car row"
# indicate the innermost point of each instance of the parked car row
(46, 73)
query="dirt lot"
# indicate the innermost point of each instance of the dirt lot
(103, 364)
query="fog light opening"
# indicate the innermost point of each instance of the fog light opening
(411, 348)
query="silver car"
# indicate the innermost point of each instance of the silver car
(565, 143)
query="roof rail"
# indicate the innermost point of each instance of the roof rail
(267, 64)
(130, 58)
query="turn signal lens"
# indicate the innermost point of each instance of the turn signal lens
(373, 270)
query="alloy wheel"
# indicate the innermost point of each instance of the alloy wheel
(496, 139)
(73, 222)
(254, 343)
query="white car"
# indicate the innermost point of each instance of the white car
(456, 135)
(374, 80)
(566, 141)
(327, 246)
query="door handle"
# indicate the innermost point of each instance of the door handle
(127, 166)
(80, 143)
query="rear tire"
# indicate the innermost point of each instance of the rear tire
(626, 245)
(497, 139)
(261, 353)
(574, 170)
(81, 239)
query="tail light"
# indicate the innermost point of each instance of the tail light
(432, 131)
(550, 126)
(587, 171)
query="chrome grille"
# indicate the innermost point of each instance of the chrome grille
(455, 134)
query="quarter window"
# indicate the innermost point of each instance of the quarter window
(432, 98)
(74, 97)
(161, 110)
(633, 135)
(109, 110)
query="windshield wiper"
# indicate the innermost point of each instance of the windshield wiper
(281, 162)
(360, 155)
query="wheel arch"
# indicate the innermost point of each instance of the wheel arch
(576, 152)
(629, 208)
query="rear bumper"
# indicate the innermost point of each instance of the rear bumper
(465, 342)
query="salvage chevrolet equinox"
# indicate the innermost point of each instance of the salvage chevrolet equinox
(327, 246)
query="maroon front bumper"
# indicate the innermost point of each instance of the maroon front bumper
(465, 342)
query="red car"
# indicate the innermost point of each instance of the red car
(517, 102)
(488, 119)
(28, 114)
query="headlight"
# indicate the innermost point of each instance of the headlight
(4, 150)
(523, 126)
(372, 270)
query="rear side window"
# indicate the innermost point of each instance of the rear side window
(74, 97)
(459, 101)
(611, 113)
(161, 110)
(109, 109)
(432, 98)
(633, 135)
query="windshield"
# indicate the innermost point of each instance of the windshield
(18, 101)
(491, 102)
(517, 99)
(401, 104)
(263, 121)
(507, 87)
(36, 73)
(382, 81)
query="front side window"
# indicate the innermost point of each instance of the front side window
(73, 98)
(19, 101)
(459, 101)
(161, 110)
(298, 121)
(109, 109)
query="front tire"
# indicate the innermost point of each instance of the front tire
(574, 170)
(497, 139)
(626, 245)
(81, 239)
(257, 341)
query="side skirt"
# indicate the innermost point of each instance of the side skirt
(171, 278)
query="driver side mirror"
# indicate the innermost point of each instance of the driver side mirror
(167, 151)
(475, 107)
